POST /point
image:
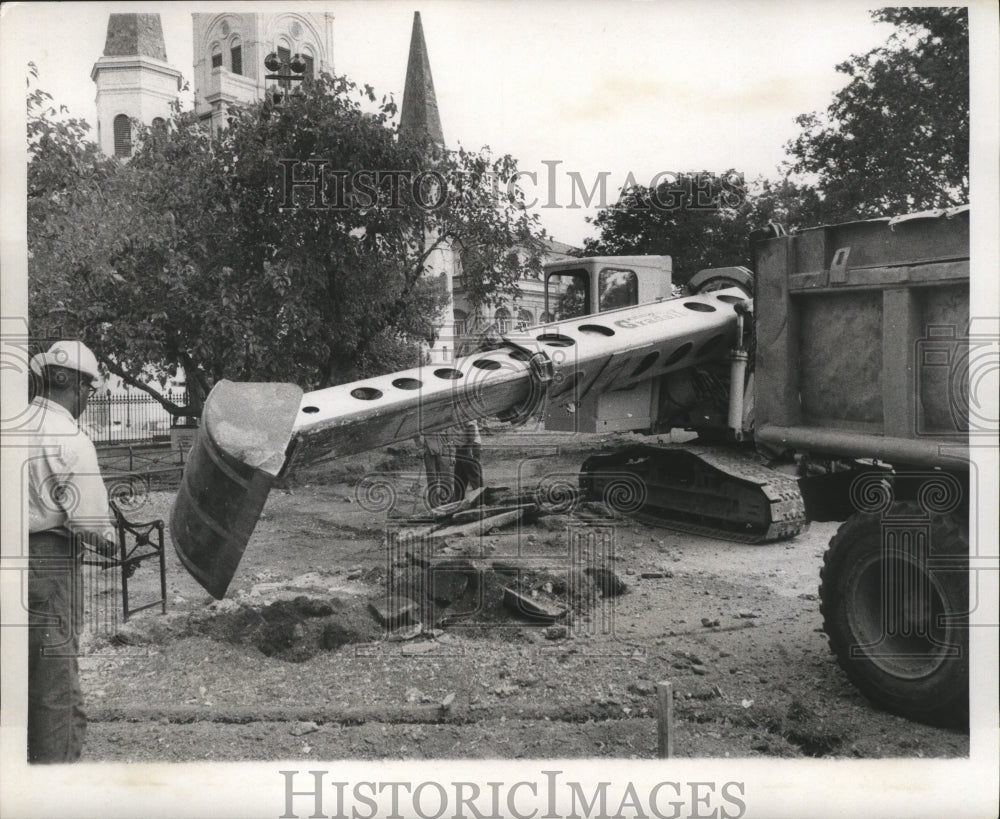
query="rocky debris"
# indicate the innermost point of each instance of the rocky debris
(449, 580)
(556, 633)
(642, 688)
(798, 724)
(555, 523)
(470, 591)
(533, 608)
(710, 623)
(303, 728)
(607, 581)
(694, 659)
(598, 510)
(394, 610)
(406, 633)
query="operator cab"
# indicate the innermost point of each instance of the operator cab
(597, 284)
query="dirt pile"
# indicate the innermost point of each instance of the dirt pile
(294, 630)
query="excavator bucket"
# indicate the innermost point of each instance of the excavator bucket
(238, 453)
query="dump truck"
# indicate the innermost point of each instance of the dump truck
(827, 383)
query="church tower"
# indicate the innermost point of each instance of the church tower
(419, 116)
(229, 51)
(134, 80)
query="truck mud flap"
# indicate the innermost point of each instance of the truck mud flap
(239, 451)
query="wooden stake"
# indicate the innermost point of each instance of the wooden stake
(665, 718)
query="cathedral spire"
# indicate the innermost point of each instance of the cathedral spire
(419, 115)
(135, 35)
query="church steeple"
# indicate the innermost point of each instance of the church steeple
(420, 115)
(135, 35)
(134, 81)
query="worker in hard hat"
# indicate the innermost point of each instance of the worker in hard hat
(67, 515)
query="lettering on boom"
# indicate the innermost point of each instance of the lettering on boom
(649, 318)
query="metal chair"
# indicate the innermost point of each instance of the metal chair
(146, 543)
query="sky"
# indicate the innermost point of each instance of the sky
(567, 88)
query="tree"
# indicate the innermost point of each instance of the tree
(896, 137)
(699, 219)
(292, 246)
(702, 220)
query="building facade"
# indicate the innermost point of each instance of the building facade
(525, 310)
(229, 51)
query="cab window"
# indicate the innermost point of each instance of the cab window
(567, 294)
(617, 288)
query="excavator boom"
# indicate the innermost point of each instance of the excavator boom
(252, 433)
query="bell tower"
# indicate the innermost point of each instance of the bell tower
(134, 81)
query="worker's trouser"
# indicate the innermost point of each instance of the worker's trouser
(440, 478)
(56, 722)
(468, 468)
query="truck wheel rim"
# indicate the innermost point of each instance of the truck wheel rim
(895, 608)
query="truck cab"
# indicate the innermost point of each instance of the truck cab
(596, 284)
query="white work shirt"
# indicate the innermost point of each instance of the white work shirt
(65, 489)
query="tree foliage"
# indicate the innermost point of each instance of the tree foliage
(199, 252)
(896, 137)
(701, 220)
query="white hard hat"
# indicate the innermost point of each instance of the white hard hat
(73, 355)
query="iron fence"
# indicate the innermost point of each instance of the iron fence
(127, 418)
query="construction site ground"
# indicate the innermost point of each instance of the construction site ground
(292, 663)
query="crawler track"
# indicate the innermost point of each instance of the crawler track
(703, 490)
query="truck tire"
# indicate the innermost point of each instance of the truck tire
(898, 629)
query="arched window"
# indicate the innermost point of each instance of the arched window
(524, 319)
(284, 49)
(461, 322)
(236, 53)
(216, 55)
(123, 135)
(158, 131)
(502, 319)
(310, 61)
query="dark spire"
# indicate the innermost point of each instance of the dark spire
(420, 115)
(135, 35)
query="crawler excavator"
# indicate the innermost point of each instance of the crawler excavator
(840, 358)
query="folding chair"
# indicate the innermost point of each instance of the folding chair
(147, 543)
